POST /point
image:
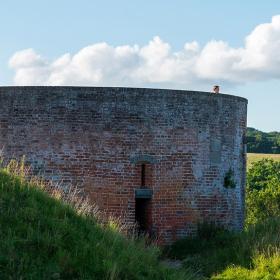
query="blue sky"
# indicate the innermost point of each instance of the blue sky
(44, 42)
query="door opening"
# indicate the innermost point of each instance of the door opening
(143, 215)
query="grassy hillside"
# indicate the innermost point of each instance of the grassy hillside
(252, 157)
(42, 237)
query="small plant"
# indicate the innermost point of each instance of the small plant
(229, 182)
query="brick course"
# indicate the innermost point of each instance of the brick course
(97, 138)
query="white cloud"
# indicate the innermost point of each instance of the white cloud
(155, 64)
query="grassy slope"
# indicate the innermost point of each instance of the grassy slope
(43, 238)
(251, 157)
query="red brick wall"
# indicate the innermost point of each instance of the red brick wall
(97, 138)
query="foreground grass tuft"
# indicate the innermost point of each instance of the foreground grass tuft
(262, 268)
(42, 237)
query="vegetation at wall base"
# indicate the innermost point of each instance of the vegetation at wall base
(214, 256)
(42, 237)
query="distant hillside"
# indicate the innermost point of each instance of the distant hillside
(263, 142)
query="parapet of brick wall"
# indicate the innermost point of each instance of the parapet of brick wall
(97, 138)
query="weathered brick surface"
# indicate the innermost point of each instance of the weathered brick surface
(98, 137)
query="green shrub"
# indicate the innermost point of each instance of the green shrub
(262, 173)
(263, 191)
(263, 204)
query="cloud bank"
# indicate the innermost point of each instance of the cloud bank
(155, 64)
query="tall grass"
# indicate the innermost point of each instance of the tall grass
(212, 255)
(263, 268)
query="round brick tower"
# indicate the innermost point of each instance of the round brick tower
(167, 159)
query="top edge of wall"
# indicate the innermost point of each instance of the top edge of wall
(140, 89)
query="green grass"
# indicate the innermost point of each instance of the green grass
(225, 255)
(251, 157)
(44, 238)
(262, 268)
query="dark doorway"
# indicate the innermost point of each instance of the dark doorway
(143, 215)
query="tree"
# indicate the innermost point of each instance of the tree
(262, 142)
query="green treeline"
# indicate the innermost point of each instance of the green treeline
(263, 142)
